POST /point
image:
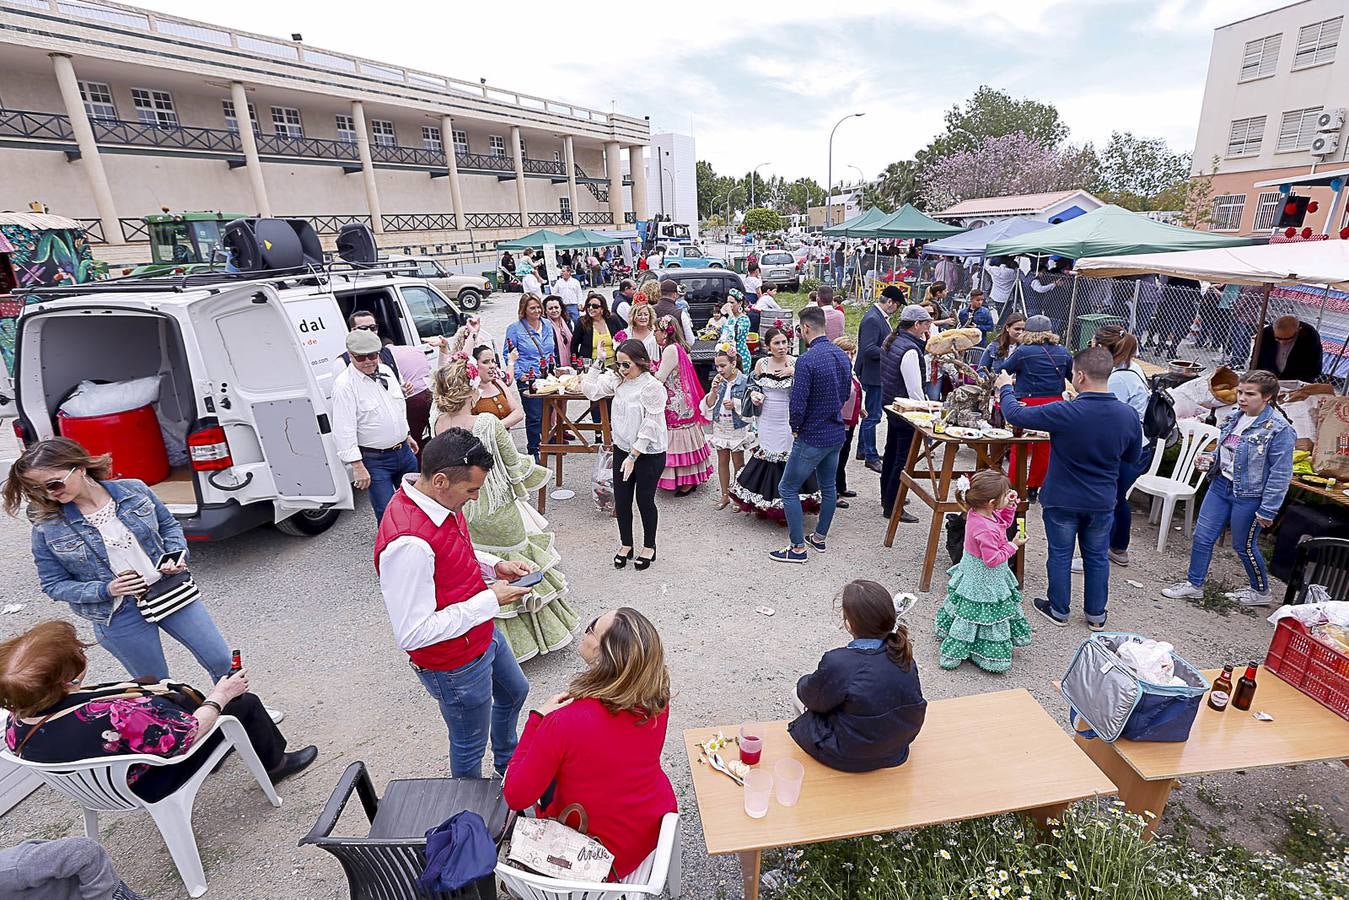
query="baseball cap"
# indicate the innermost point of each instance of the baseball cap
(359, 341)
(1039, 323)
(915, 313)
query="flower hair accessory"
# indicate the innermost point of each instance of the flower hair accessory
(962, 484)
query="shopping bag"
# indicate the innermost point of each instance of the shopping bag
(603, 480)
(550, 848)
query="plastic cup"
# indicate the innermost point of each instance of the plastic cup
(758, 788)
(787, 777)
(751, 743)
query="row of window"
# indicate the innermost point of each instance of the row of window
(156, 108)
(1228, 209)
(1297, 128)
(1316, 45)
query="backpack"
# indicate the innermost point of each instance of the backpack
(1159, 419)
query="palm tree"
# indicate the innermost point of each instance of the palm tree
(898, 185)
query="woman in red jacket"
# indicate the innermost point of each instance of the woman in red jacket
(599, 743)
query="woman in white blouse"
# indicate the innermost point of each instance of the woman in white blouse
(640, 441)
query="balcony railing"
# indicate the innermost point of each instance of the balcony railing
(93, 230)
(178, 137)
(419, 222)
(407, 156)
(587, 217)
(39, 126)
(331, 225)
(546, 219)
(132, 230)
(492, 220)
(544, 167)
(484, 162)
(307, 147)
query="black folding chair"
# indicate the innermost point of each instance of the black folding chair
(1323, 561)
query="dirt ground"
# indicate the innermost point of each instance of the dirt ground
(308, 616)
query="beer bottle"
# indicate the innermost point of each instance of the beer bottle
(1245, 691)
(1221, 695)
(236, 663)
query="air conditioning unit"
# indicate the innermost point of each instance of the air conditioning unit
(1330, 120)
(1326, 143)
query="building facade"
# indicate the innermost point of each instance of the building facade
(1274, 107)
(674, 188)
(1052, 207)
(110, 112)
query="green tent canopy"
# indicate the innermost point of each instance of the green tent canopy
(536, 239)
(911, 224)
(1111, 230)
(859, 225)
(584, 237)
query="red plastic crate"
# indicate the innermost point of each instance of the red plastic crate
(1319, 671)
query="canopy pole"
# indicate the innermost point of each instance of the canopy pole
(1260, 329)
(1072, 308)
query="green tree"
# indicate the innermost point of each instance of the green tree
(991, 113)
(897, 186)
(710, 187)
(760, 219)
(1141, 174)
(1193, 197)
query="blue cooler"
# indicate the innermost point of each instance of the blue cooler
(1115, 703)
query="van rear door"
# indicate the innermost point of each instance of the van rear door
(259, 384)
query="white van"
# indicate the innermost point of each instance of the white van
(246, 366)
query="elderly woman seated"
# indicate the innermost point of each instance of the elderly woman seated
(54, 717)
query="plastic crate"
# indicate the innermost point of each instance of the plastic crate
(1319, 671)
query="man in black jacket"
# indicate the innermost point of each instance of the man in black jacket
(1290, 349)
(872, 331)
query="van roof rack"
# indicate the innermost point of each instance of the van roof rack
(141, 284)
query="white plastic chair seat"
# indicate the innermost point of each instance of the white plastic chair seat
(100, 785)
(662, 870)
(1182, 484)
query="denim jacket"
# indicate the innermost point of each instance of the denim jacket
(1263, 464)
(738, 389)
(72, 563)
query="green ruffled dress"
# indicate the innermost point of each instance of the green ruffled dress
(503, 522)
(981, 619)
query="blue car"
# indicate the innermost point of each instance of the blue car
(687, 256)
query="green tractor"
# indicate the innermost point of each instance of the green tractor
(184, 243)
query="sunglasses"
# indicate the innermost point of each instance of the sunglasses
(367, 328)
(590, 629)
(593, 306)
(55, 485)
(625, 366)
(365, 357)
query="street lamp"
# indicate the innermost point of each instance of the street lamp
(862, 180)
(674, 201)
(753, 172)
(660, 165)
(829, 178)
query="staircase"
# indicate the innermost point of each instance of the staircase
(598, 191)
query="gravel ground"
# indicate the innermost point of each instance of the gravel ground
(308, 617)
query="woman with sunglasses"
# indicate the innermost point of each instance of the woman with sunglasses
(595, 330)
(606, 729)
(98, 544)
(640, 440)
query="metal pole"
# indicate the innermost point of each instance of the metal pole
(1072, 308)
(829, 177)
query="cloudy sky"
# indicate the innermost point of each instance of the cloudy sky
(764, 82)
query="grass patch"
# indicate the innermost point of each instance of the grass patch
(1309, 836)
(1215, 600)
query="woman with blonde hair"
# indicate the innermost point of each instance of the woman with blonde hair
(688, 459)
(642, 327)
(598, 744)
(502, 521)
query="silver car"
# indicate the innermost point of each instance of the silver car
(778, 268)
(467, 290)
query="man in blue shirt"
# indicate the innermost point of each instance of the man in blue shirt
(1091, 436)
(976, 315)
(821, 386)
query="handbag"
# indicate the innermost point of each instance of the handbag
(550, 848)
(166, 596)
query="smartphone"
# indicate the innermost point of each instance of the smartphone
(175, 557)
(529, 580)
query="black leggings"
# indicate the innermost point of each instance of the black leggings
(645, 473)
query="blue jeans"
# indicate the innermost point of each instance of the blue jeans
(1219, 510)
(1124, 514)
(873, 401)
(490, 691)
(533, 419)
(1091, 532)
(806, 460)
(1239, 345)
(136, 643)
(387, 468)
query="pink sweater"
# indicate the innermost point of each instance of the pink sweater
(987, 538)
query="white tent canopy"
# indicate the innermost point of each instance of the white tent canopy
(1309, 262)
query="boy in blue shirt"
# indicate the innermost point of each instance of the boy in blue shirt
(976, 315)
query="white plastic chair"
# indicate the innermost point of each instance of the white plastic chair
(100, 785)
(1181, 485)
(660, 871)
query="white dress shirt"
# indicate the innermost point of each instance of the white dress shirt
(407, 578)
(366, 413)
(1004, 278)
(532, 285)
(637, 415)
(569, 289)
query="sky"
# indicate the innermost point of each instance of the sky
(765, 82)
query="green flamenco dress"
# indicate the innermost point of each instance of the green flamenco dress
(981, 619)
(503, 522)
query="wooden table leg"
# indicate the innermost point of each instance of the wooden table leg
(1043, 814)
(1140, 796)
(1019, 476)
(938, 514)
(749, 870)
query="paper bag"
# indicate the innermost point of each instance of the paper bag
(1330, 455)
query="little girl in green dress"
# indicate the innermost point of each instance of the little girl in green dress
(981, 619)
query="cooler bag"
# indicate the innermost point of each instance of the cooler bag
(1115, 703)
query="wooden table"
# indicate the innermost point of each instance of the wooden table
(976, 756)
(1338, 495)
(557, 427)
(932, 483)
(1303, 731)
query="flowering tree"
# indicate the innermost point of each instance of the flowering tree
(1009, 164)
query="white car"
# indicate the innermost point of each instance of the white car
(778, 268)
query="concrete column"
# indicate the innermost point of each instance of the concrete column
(569, 160)
(89, 156)
(613, 164)
(367, 166)
(518, 154)
(637, 166)
(456, 198)
(249, 141)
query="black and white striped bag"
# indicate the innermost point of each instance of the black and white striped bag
(166, 596)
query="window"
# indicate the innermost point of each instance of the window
(286, 122)
(564, 205)
(1244, 137)
(1261, 57)
(557, 156)
(383, 131)
(97, 99)
(431, 138)
(523, 154)
(232, 121)
(346, 130)
(1267, 210)
(496, 146)
(1227, 210)
(1316, 43)
(432, 315)
(154, 108)
(460, 140)
(1297, 128)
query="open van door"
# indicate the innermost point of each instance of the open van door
(260, 388)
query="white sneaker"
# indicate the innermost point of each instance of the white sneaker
(1250, 597)
(276, 715)
(1182, 590)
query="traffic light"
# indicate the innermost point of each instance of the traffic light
(1292, 213)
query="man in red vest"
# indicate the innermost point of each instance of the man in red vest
(442, 607)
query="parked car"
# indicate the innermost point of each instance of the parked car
(688, 256)
(467, 290)
(704, 289)
(779, 269)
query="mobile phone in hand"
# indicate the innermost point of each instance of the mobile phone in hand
(175, 557)
(529, 580)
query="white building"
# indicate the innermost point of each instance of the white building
(1053, 207)
(672, 178)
